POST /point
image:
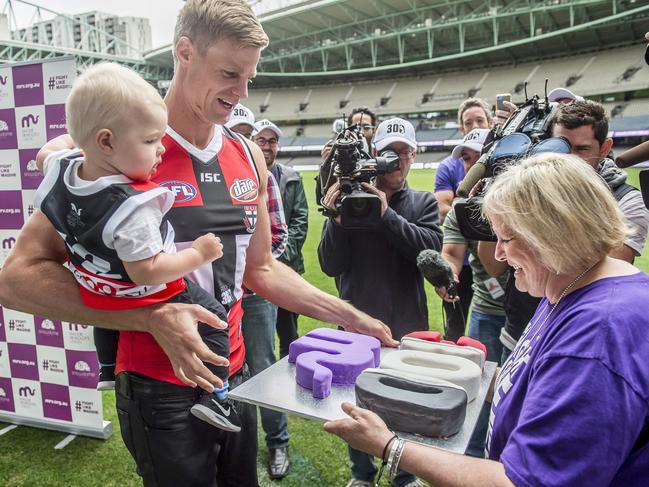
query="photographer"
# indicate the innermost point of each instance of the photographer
(585, 125)
(362, 117)
(375, 268)
(473, 113)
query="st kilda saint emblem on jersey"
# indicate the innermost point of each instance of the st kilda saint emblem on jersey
(250, 218)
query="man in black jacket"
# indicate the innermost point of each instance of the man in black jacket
(375, 268)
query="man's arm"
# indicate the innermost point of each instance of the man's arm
(33, 280)
(61, 142)
(445, 201)
(281, 285)
(637, 218)
(334, 249)
(453, 253)
(410, 238)
(487, 257)
(278, 227)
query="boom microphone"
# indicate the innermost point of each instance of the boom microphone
(437, 270)
(633, 156)
(475, 174)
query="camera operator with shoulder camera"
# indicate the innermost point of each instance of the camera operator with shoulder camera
(375, 267)
(361, 117)
(585, 125)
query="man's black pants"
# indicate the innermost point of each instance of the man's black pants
(171, 447)
(286, 330)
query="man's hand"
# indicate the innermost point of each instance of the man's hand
(442, 292)
(363, 430)
(382, 196)
(329, 199)
(175, 327)
(209, 246)
(476, 188)
(324, 153)
(366, 325)
(501, 116)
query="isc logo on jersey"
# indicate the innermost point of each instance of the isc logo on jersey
(243, 190)
(182, 191)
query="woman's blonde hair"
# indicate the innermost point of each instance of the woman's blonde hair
(205, 22)
(103, 97)
(561, 208)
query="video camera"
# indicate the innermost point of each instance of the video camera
(526, 133)
(350, 163)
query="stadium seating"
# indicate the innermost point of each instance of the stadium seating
(612, 71)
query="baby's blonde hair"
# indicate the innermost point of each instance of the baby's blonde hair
(102, 97)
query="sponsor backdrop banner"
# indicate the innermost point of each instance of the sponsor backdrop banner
(48, 369)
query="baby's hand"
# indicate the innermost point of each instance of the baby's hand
(209, 246)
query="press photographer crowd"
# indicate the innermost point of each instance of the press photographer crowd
(528, 235)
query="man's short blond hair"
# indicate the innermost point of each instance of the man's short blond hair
(561, 208)
(470, 103)
(205, 22)
(103, 97)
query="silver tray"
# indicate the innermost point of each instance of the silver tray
(275, 388)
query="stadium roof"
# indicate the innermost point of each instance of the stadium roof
(338, 40)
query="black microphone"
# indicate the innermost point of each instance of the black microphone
(437, 271)
(633, 156)
(475, 174)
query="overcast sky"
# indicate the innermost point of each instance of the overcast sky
(161, 13)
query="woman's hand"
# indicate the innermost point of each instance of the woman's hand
(363, 430)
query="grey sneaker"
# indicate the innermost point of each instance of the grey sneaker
(220, 414)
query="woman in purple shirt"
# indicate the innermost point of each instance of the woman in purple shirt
(571, 405)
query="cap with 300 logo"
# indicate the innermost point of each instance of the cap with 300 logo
(394, 130)
(241, 116)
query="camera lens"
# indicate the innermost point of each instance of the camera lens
(359, 207)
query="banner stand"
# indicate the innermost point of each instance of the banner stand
(48, 368)
(102, 434)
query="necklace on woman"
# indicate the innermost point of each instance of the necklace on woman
(561, 296)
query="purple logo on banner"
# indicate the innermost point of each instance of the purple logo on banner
(56, 402)
(83, 368)
(28, 85)
(55, 121)
(11, 210)
(6, 395)
(48, 332)
(23, 361)
(3, 335)
(30, 176)
(8, 138)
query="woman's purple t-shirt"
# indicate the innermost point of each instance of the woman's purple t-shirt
(571, 405)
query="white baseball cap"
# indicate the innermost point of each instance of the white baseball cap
(267, 124)
(394, 130)
(561, 93)
(241, 116)
(474, 140)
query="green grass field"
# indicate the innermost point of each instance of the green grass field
(28, 458)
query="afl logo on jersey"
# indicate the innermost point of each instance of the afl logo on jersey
(243, 190)
(182, 191)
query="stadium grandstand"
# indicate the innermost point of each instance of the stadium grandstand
(419, 59)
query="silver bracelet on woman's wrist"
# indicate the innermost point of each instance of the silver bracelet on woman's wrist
(395, 457)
